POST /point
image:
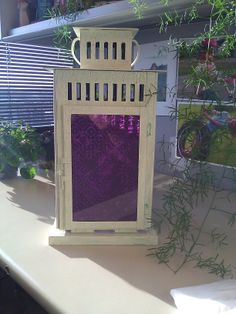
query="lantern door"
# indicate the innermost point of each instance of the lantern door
(104, 168)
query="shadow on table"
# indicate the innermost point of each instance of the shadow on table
(130, 263)
(35, 196)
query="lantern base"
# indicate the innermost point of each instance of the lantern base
(62, 237)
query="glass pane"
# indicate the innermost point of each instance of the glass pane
(123, 92)
(114, 97)
(114, 51)
(89, 50)
(96, 91)
(97, 52)
(141, 92)
(78, 91)
(132, 92)
(123, 51)
(105, 92)
(69, 91)
(105, 154)
(106, 50)
(162, 82)
(87, 91)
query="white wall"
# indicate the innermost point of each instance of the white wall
(161, 53)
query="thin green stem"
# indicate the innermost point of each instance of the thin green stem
(198, 234)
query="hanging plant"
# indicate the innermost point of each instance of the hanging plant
(66, 12)
(184, 232)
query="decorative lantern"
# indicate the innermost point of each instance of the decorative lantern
(104, 140)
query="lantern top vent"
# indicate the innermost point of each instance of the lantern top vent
(105, 48)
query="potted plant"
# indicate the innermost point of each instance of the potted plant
(20, 148)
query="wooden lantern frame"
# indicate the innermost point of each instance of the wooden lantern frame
(70, 97)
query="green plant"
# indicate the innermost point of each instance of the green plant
(184, 234)
(64, 15)
(138, 7)
(20, 146)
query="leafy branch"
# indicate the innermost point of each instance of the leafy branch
(65, 14)
(183, 237)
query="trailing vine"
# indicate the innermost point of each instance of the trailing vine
(64, 15)
(182, 232)
(185, 234)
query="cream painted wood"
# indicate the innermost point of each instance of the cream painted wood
(65, 106)
(109, 36)
(104, 84)
(59, 157)
(109, 77)
(61, 237)
(150, 147)
(142, 168)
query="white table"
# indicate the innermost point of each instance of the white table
(77, 279)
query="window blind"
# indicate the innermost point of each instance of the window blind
(26, 85)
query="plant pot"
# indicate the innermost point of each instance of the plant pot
(8, 172)
(28, 171)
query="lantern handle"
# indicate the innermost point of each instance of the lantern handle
(72, 50)
(138, 52)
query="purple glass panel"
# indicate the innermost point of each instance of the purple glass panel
(105, 154)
